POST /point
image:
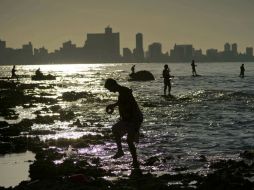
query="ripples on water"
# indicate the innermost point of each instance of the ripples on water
(212, 115)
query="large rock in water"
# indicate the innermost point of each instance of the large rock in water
(141, 76)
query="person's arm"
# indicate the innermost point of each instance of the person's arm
(110, 107)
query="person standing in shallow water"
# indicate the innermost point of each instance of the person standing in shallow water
(242, 69)
(193, 66)
(130, 119)
(167, 79)
(13, 72)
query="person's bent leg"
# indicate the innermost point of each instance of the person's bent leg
(165, 88)
(118, 131)
(130, 140)
(133, 152)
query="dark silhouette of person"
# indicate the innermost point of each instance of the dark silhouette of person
(13, 72)
(133, 69)
(193, 66)
(130, 119)
(167, 79)
(38, 73)
(242, 69)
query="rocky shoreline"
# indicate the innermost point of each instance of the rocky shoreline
(78, 172)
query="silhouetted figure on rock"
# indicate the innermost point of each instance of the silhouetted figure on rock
(38, 73)
(130, 119)
(242, 69)
(193, 66)
(133, 69)
(167, 79)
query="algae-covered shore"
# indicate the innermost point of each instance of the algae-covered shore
(70, 163)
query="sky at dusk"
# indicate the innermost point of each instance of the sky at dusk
(203, 23)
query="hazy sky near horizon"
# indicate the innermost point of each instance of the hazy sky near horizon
(203, 23)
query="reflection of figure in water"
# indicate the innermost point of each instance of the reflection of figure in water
(133, 69)
(193, 66)
(242, 69)
(167, 79)
(13, 72)
(130, 119)
(38, 73)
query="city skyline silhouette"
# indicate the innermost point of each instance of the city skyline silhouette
(105, 47)
(203, 23)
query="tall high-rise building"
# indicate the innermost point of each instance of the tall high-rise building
(249, 51)
(234, 49)
(2, 44)
(182, 52)
(139, 51)
(154, 51)
(227, 47)
(28, 49)
(103, 46)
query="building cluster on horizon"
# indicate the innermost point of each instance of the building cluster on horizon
(105, 47)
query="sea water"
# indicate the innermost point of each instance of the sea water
(211, 115)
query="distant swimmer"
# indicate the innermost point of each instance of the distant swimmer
(193, 66)
(13, 72)
(133, 69)
(242, 70)
(130, 119)
(167, 79)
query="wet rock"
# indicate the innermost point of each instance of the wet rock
(225, 181)
(141, 76)
(73, 96)
(12, 98)
(202, 158)
(45, 119)
(7, 84)
(248, 154)
(49, 154)
(151, 161)
(66, 115)
(80, 178)
(77, 123)
(55, 108)
(42, 169)
(42, 132)
(5, 147)
(8, 114)
(14, 130)
(95, 161)
(26, 123)
(3, 124)
(166, 158)
(20, 144)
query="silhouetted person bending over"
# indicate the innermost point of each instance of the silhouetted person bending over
(193, 66)
(133, 69)
(242, 69)
(130, 119)
(167, 79)
(38, 73)
(13, 72)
